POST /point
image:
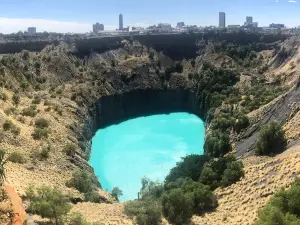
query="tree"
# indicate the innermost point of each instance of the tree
(271, 140)
(177, 206)
(82, 180)
(217, 144)
(151, 189)
(232, 173)
(116, 193)
(49, 203)
(190, 166)
(144, 212)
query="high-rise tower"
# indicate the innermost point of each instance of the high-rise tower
(222, 19)
(120, 22)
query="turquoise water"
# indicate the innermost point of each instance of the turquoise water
(147, 146)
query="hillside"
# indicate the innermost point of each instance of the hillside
(79, 95)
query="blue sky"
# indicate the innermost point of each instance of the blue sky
(52, 15)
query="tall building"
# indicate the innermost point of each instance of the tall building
(249, 19)
(31, 30)
(98, 27)
(121, 22)
(222, 19)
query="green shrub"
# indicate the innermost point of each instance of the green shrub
(202, 196)
(42, 123)
(40, 133)
(16, 99)
(30, 111)
(217, 144)
(144, 212)
(271, 140)
(3, 96)
(83, 181)
(17, 157)
(151, 189)
(232, 173)
(10, 111)
(190, 166)
(37, 100)
(48, 203)
(43, 154)
(16, 130)
(25, 54)
(92, 196)
(223, 171)
(283, 207)
(7, 125)
(241, 123)
(116, 193)
(70, 149)
(177, 206)
(76, 219)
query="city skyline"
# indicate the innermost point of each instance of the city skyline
(73, 16)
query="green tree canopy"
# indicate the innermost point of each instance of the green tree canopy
(271, 140)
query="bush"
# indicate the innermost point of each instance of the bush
(40, 133)
(191, 166)
(83, 181)
(177, 206)
(144, 212)
(31, 111)
(116, 193)
(217, 144)
(16, 99)
(232, 174)
(283, 207)
(271, 140)
(3, 97)
(48, 203)
(37, 100)
(241, 123)
(221, 172)
(92, 196)
(70, 149)
(76, 219)
(7, 125)
(202, 196)
(42, 123)
(17, 157)
(43, 154)
(151, 189)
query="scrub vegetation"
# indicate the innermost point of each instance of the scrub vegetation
(187, 190)
(283, 207)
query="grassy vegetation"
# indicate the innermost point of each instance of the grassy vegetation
(187, 190)
(48, 203)
(17, 157)
(8, 125)
(86, 183)
(271, 140)
(283, 208)
(30, 111)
